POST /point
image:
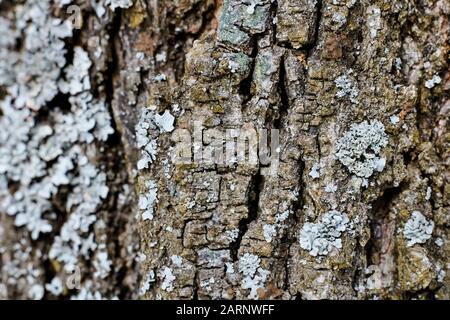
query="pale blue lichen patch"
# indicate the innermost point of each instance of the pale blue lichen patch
(167, 278)
(148, 199)
(323, 237)
(417, 229)
(254, 276)
(19, 271)
(315, 171)
(147, 283)
(240, 19)
(55, 287)
(50, 157)
(123, 4)
(147, 145)
(394, 119)
(330, 188)
(26, 147)
(435, 80)
(147, 131)
(269, 232)
(31, 75)
(102, 265)
(360, 147)
(374, 20)
(165, 121)
(346, 87)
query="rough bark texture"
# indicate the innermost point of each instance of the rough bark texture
(359, 207)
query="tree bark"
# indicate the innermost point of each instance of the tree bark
(354, 204)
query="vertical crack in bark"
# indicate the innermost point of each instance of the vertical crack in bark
(255, 186)
(317, 25)
(291, 236)
(284, 99)
(246, 85)
(113, 68)
(195, 286)
(310, 46)
(380, 249)
(253, 194)
(115, 142)
(378, 220)
(273, 11)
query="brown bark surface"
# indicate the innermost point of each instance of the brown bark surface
(357, 90)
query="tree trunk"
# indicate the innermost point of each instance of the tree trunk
(128, 131)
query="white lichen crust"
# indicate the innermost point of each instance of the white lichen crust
(417, 229)
(359, 149)
(254, 276)
(323, 237)
(123, 4)
(49, 151)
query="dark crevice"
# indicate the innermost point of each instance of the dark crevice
(60, 101)
(274, 10)
(253, 194)
(245, 87)
(310, 46)
(359, 267)
(115, 160)
(284, 98)
(314, 130)
(195, 288)
(207, 17)
(382, 233)
(291, 236)
(183, 229)
(408, 158)
(113, 67)
(427, 293)
(177, 53)
(379, 217)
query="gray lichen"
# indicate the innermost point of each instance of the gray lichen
(124, 4)
(436, 79)
(254, 276)
(51, 157)
(323, 237)
(214, 232)
(31, 75)
(240, 19)
(417, 229)
(147, 130)
(148, 199)
(346, 87)
(359, 149)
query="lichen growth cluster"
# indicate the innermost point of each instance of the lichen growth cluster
(360, 147)
(123, 4)
(324, 236)
(148, 129)
(417, 229)
(254, 276)
(47, 150)
(346, 87)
